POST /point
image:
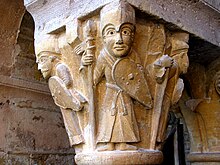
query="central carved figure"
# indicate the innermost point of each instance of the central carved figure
(118, 123)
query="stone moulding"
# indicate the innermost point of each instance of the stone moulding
(119, 157)
(25, 85)
(204, 157)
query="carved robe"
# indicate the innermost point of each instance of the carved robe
(117, 121)
(62, 96)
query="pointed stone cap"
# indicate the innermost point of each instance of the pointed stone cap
(117, 13)
(48, 43)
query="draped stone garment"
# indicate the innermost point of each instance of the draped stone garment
(117, 121)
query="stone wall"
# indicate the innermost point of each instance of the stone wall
(31, 126)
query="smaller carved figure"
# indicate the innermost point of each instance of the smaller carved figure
(178, 54)
(60, 84)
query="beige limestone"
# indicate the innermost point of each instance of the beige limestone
(66, 19)
(115, 84)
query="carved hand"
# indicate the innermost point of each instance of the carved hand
(165, 61)
(87, 59)
(160, 66)
(80, 49)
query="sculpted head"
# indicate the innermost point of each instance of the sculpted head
(47, 55)
(180, 45)
(118, 28)
(46, 62)
(118, 40)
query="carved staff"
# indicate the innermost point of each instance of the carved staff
(158, 102)
(90, 50)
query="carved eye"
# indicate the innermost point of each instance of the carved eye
(110, 32)
(43, 59)
(126, 32)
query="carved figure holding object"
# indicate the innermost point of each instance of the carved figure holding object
(160, 67)
(50, 64)
(118, 125)
(61, 86)
(170, 84)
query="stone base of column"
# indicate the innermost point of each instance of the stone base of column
(204, 158)
(120, 157)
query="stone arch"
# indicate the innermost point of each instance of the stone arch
(30, 123)
(24, 66)
(11, 15)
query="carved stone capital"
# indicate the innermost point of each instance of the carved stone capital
(115, 77)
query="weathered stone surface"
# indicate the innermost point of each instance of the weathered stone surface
(24, 65)
(29, 126)
(119, 157)
(25, 118)
(11, 17)
(176, 12)
(211, 158)
(202, 123)
(27, 112)
(213, 3)
(43, 158)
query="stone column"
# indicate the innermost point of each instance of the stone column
(113, 67)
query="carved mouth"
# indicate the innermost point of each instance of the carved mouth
(44, 70)
(119, 48)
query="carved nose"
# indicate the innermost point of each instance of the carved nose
(39, 67)
(119, 39)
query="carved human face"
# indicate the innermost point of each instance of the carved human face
(45, 64)
(118, 41)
